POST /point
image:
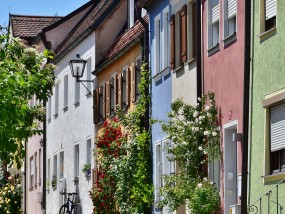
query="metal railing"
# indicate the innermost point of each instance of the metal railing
(270, 202)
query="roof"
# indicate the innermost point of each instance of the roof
(92, 20)
(27, 27)
(121, 43)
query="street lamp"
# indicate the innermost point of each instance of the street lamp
(77, 67)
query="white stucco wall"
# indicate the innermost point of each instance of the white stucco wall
(70, 127)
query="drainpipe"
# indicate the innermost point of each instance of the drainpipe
(198, 48)
(247, 35)
(44, 160)
(145, 58)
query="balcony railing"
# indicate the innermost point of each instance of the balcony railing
(270, 202)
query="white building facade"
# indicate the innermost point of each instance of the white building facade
(70, 132)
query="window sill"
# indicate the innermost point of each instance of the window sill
(267, 34)
(230, 39)
(55, 116)
(214, 49)
(191, 61)
(273, 177)
(178, 69)
(161, 74)
(76, 104)
(65, 109)
(157, 77)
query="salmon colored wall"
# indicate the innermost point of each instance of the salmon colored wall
(223, 72)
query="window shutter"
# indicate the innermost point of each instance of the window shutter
(104, 101)
(232, 8)
(96, 106)
(215, 10)
(270, 9)
(172, 41)
(128, 85)
(120, 94)
(183, 34)
(134, 88)
(116, 90)
(277, 127)
(108, 104)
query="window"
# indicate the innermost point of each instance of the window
(48, 173)
(162, 164)
(165, 46)
(40, 167)
(76, 160)
(49, 109)
(137, 80)
(88, 75)
(277, 138)
(213, 23)
(100, 104)
(191, 35)
(36, 170)
(214, 172)
(65, 92)
(125, 84)
(56, 99)
(113, 94)
(270, 14)
(77, 92)
(158, 44)
(158, 169)
(88, 152)
(61, 164)
(55, 166)
(230, 11)
(131, 13)
(32, 171)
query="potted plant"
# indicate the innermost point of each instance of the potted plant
(86, 169)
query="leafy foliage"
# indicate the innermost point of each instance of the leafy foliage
(124, 161)
(23, 73)
(195, 139)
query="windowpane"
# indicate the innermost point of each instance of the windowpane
(76, 160)
(124, 89)
(112, 96)
(65, 98)
(61, 164)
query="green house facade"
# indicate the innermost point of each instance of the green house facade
(267, 121)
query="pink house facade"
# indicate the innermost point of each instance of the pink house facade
(223, 73)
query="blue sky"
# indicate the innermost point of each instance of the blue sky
(37, 7)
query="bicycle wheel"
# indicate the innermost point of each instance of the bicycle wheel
(64, 210)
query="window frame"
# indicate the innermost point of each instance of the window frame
(213, 47)
(229, 19)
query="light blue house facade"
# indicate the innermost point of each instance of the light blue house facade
(161, 86)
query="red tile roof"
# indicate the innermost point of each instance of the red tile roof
(126, 38)
(27, 27)
(122, 42)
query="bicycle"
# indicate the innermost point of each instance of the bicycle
(70, 205)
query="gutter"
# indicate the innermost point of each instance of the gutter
(198, 48)
(44, 160)
(247, 34)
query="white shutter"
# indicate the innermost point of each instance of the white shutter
(277, 127)
(215, 10)
(232, 8)
(270, 9)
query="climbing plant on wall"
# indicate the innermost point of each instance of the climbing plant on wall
(195, 140)
(124, 160)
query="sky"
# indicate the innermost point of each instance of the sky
(37, 7)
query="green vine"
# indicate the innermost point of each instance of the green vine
(125, 173)
(195, 139)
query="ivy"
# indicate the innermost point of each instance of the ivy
(195, 139)
(127, 179)
(23, 73)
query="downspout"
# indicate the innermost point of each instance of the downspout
(198, 48)
(44, 160)
(246, 91)
(145, 58)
